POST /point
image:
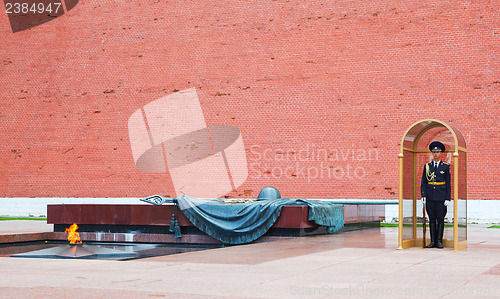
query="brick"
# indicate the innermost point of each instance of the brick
(342, 78)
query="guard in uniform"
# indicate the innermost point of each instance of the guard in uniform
(436, 193)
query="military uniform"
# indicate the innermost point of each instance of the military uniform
(436, 189)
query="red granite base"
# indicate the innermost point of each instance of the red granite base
(149, 224)
(290, 217)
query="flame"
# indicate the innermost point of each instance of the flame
(73, 235)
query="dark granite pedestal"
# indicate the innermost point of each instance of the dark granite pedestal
(150, 224)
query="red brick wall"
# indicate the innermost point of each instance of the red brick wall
(322, 91)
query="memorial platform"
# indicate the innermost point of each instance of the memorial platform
(150, 224)
(354, 264)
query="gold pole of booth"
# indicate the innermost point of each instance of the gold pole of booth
(455, 201)
(400, 235)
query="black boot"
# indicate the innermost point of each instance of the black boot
(440, 231)
(432, 230)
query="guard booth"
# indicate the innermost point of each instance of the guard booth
(413, 156)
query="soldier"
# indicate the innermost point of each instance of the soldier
(436, 193)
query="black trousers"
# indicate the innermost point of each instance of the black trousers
(436, 210)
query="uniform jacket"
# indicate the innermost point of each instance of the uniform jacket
(441, 174)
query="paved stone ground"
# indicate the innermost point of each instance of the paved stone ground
(357, 264)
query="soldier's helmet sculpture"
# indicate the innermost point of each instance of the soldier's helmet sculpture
(269, 193)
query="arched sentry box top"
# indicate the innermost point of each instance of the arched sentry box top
(415, 131)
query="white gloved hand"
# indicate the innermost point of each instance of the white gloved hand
(446, 203)
(423, 200)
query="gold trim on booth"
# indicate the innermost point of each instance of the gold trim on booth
(455, 201)
(414, 178)
(447, 243)
(419, 241)
(462, 245)
(408, 243)
(400, 215)
(427, 151)
(437, 124)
